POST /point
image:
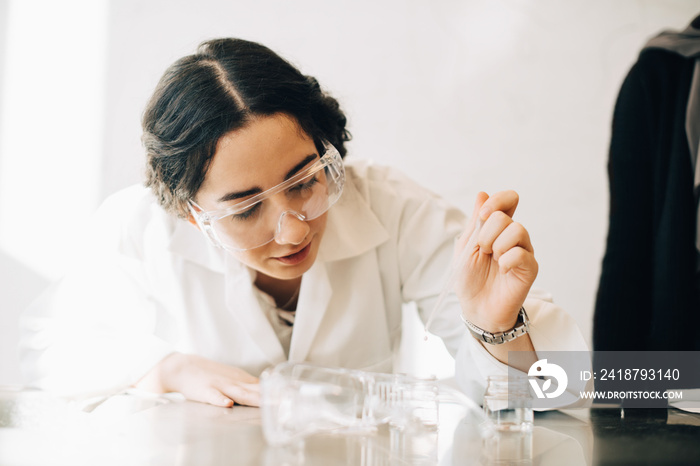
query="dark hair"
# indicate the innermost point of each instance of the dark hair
(221, 88)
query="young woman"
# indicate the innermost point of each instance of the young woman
(254, 243)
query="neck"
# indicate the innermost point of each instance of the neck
(284, 292)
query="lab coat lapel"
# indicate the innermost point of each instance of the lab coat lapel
(191, 244)
(314, 297)
(352, 230)
(242, 302)
(240, 298)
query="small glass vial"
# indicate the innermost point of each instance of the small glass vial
(508, 404)
(501, 447)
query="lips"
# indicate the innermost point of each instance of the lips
(297, 257)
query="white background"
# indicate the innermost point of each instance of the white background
(461, 95)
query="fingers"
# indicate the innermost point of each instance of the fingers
(243, 394)
(207, 381)
(240, 376)
(500, 234)
(504, 201)
(239, 386)
(228, 394)
(518, 258)
(481, 198)
(214, 397)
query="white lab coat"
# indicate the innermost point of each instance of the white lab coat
(149, 284)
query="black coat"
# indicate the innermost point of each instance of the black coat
(647, 297)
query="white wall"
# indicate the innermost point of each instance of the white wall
(51, 116)
(463, 95)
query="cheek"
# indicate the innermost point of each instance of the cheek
(251, 258)
(318, 225)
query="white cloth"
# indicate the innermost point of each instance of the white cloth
(149, 284)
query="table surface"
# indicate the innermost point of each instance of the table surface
(37, 429)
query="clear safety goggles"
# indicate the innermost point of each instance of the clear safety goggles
(258, 220)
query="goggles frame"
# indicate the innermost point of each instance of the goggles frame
(331, 161)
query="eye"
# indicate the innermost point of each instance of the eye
(305, 186)
(247, 214)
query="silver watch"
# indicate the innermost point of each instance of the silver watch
(522, 326)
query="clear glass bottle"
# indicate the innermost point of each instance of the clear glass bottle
(508, 403)
(301, 399)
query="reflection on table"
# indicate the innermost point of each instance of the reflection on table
(128, 429)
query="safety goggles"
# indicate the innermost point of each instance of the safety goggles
(258, 220)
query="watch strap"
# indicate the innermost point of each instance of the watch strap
(522, 326)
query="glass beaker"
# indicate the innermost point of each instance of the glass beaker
(508, 403)
(509, 448)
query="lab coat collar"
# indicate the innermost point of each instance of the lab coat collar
(188, 242)
(352, 228)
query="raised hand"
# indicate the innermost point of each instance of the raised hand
(500, 266)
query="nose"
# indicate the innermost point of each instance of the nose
(291, 228)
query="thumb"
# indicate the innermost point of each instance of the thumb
(481, 198)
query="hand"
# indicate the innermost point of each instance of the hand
(500, 267)
(200, 379)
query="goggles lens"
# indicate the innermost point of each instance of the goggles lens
(257, 221)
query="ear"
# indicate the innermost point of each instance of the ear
(190, 218)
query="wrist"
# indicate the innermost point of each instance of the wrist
(159, 379)
(170, 368)
(484, 320)
(518, 329)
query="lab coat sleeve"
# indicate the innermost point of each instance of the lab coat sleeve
(551, 329)
(434, 225)
(94, 331)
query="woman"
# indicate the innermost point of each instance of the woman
(255, 244)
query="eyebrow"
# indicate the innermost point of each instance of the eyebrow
(249, 192)
(297, 168)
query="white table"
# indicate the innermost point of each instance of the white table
(36, 429)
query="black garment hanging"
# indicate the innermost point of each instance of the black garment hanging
(648, 298)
